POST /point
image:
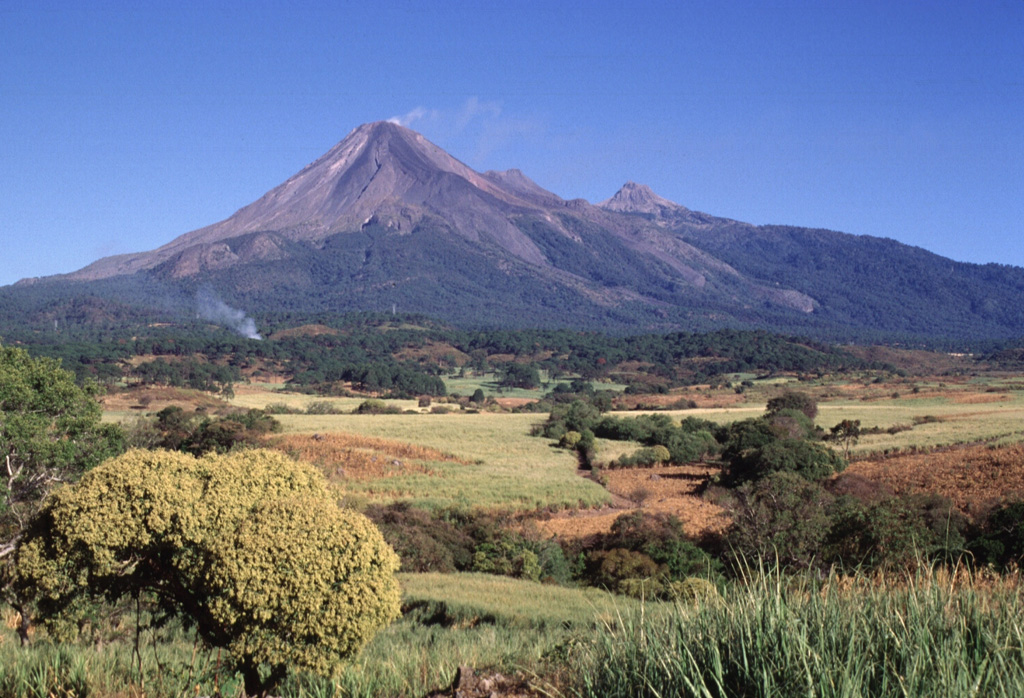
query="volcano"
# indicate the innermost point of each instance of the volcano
(385, 219)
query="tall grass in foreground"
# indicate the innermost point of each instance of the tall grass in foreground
(485, 622)
(930, 635)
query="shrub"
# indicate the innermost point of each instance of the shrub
(621, 570)
(50, 433)
(250, 548)
(792, 400)
(693, 590)
(689, 447)
(570, 439)
(782, 518)
(1001, 542)
(643, 458)
(425, 542)
(509, 557)
(576, 416)
(792, 424)
(809, 460)
(376, 407)
(281, 408)
(886, 534)
(322, 407)
(743, 436)
(661, 537)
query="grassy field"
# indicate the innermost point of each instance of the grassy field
(488, 623)
(929, 635)
(485, 622)
(256, 397)
(505, 468)
(488, 382)
(931, 420)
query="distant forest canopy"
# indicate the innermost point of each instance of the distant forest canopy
(398, 354)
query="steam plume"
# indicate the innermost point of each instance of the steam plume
(212, 308)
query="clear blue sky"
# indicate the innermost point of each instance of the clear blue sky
(126, 124)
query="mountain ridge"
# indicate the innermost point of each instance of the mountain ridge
(386, 218)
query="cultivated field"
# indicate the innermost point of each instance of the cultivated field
(494, 463)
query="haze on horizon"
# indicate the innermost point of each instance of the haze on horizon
(122, 130)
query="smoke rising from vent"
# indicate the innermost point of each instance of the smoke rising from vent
(212, 308)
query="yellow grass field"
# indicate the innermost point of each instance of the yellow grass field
(495, 463)
(957, 416)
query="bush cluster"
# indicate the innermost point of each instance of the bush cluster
(455, 540)
(577, 424)
(646, 555)
(198, 433)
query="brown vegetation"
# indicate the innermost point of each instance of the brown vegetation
(671, 489)
(356, 457)
(305, 331)
(435, 353)
(155, 398)
(974, 478)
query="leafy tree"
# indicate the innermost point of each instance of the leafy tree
(895, 532)
(50, 432)
(250, 549)
(847, 433)
(616, 569)
(793, 424)
(791, 400)
(781, 517)
(1001, 542)
(517, 375)
(662, 538)
(808, 459)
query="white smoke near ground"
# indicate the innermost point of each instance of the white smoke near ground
(210, 307)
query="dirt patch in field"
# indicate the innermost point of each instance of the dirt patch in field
(355, 457)
(681, 400)
(512, 402)
(917, 362)
(155, 398)
(671, 490)
(470, 684)
(434, 352)
(974, 478)
(979, 398)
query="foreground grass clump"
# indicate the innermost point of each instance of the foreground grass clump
(928, 635)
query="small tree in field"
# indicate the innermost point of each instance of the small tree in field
(847, 433)
(792, 400)
(250, 549)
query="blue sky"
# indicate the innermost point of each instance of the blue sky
(124, 125)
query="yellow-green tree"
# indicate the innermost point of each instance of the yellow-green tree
(250, 548)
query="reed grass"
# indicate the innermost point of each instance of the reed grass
(776, 636)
